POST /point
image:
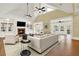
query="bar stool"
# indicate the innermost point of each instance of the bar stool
(24, 46)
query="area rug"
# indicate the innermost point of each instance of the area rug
(14, 50)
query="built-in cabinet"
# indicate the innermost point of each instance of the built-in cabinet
(62, 26)
(38, 28)
(29, 28)
(6, 27)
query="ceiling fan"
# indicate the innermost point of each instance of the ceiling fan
(39, 8)
(28, 14)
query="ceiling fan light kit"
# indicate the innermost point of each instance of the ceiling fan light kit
(38, 8)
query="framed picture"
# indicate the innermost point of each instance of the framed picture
(10, 27)
(62, 28)
(3, 27)
(56, 28)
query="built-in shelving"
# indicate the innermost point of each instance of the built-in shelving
(62, 26)
(6, 26)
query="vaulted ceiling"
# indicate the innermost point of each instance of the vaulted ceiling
(12, 10)
(67, 7)
(17, 10)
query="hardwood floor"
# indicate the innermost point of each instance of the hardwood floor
(67, 48)
(2, 50)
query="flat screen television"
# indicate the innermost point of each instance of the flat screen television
(21, 24)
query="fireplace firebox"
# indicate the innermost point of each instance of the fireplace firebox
(21, 31)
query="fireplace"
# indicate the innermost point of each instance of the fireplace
(21, 31)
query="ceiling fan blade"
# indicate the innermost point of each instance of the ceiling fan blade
(36, 7)
(43, 8)
(28, 15)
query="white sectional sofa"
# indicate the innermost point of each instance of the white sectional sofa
(11, 39)
(41, 43)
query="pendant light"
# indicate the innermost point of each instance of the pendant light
(28, 15)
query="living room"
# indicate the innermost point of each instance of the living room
(36, 29)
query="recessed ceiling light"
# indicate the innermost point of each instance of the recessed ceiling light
(7, 19)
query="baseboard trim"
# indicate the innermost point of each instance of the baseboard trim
(75, 38)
